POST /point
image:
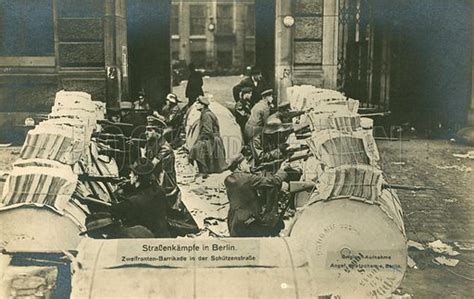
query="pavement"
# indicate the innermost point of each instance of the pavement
(444, 214)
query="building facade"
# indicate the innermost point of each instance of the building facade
(405, 56)
(216, 35)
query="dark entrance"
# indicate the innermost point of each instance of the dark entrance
(410, 57)
(265, 39)
(148, 30)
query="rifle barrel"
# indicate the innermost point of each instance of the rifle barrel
(103, 179)
(407, 187)
(93, 200)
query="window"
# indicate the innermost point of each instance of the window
(175, 19)
(224, 59)
(225, 19)
(26, 28)
(197, 16)
(198, 58)
(249, 58)
(250, 21)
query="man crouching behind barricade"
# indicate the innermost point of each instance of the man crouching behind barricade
(101, 225)
(160, 153)
(254, 200)
(142, 201)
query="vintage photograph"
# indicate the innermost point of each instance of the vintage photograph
(236, 149)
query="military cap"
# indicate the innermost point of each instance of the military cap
(142, 166)
(141, 93)
(125, 105)
(203, 100)
(246, 89)
(173, 98)
(267, 92)
(156, 122)
(113, 110)
(275, 125)
(255, 71)
(98, 221)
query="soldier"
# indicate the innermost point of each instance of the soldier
(173, 117)
(254, 200)
(160, 153)
(254, 81)
(242, 108)
(114, 114)
(208, 151)
(271, 144)
(141, 103)
(194, 86)
(142, 201)
(259, 114)
(171, 109)
(125, 109)
(101, 225)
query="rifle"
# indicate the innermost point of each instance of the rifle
(301, 147)
(291, 114)
(376, 114)
(104, 137)
(272, 164)
(87, 199)
(111, 123)
(407, 187)
(111, 151)
(103, 179)
(303, 136)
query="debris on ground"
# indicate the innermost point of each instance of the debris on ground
(457, 167)
(399, 294)
(416, 245)
(464, 246)
(398, 163)
(442, 248)
(469, 154)
(411, 263)
(441, 260)
(450, 200)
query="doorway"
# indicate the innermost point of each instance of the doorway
(148, 34)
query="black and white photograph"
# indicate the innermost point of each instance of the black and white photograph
(236, 149)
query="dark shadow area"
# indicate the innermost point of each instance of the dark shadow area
(148, 30)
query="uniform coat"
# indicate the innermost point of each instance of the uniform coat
(209, 148)
(164, 171)
(146, 206)
(267, 148)
(242, 113)
(257, 119)
(253, 204)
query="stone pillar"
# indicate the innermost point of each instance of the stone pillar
(211, 51)
(308, 42)
(184, 42)
(121, 49)
(239, 31)
(330, 43)
(283, 44)
(471, 110)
